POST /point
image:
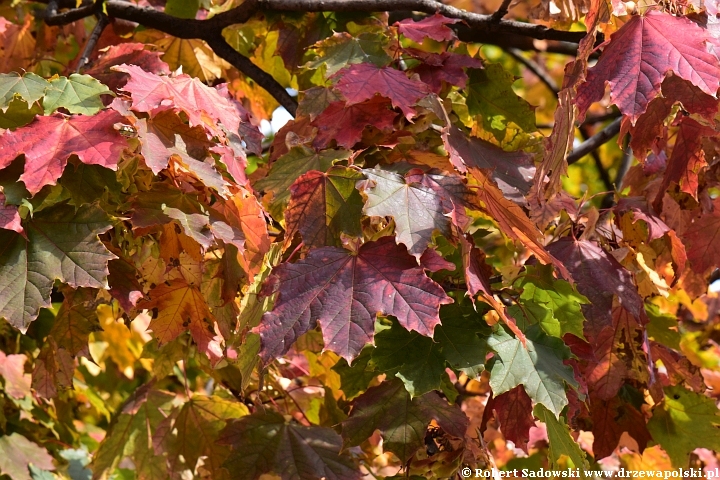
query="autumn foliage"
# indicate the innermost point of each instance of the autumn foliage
(487, 238)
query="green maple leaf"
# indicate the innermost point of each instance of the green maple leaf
(561, 443)
(683, 422)
(552, 303)
(490, 94)
(354, 379)
(420, 361)
(538, 367)
(343, 49)
(17, 453)
(29, 87)
(76, 93)
(265, 443)
(61, 244)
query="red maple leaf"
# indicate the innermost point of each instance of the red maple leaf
(203, 105)
(130, 54)
(435, 27)
(443, 67)
(513, 412)
(361, 82)
(611, 418)
(640, 55)
(49, 141)
(9, 216)
(344, 292)
(702, 240)
(345, 123)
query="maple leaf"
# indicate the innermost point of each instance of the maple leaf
(611, 418)
(242, 211)
(443, 67)
(513, 412)
(402, 421)
(538, 367)
(642, 211)
(12, 371)
(345, 123)
(181, 307)
(9, 216)
(639, 56)
(344, 292)
(342, 49)
(324, 205)
(76, 94)
(513, 171)
(513, 221)
(553, 303)
(557, 145)
(559, 438)
(687, 158)
(54, 370)
(418, 211)
(124, 285)
(617, 356)
(434, 27)
(477, 279)
(420, 361)
(599, 278)
(683, 421)
(196, 429)
(701, 240)
(490, 94)
(48, 141)
(264, 443)
(17, 453)
(76, 320)
(129, 434)
(125, 53)
(28, 86)
(289, 167)
(358, 83)
(203, 105)
(61, 244)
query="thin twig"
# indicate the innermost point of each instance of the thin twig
(501, 12)
(536, 69)
(624, 164)
(92, 41)
(595, 141)
(604, 176)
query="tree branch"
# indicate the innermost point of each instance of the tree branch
(260, 76)
(92, 41)
(536, 69)
(595, 141)
(476, 26)
(501, 12)
(473, 20)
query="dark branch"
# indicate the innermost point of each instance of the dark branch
(536, 69)
(473, 20)
(477, 27)
(92, 41)
(501, 12)
(261, 77)
(595, 141)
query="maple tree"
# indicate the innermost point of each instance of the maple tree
(488, 237)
